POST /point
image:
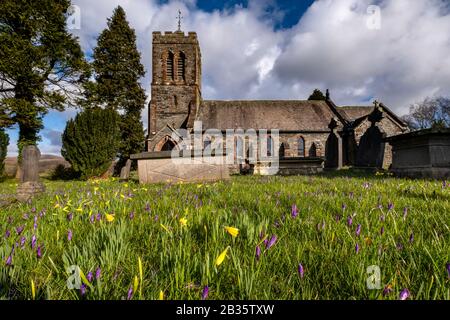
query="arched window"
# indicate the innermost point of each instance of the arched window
(301, 147)
(168, 146)
(169, 65)
(181, 67)
(313, 151)
(270, 150)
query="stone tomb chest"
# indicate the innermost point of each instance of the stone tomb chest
(421, 154)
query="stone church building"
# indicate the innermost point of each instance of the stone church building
(304, 126)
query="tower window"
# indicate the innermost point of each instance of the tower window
(169, 65)
(181, 67)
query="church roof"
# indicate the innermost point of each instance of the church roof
(286, 115)
(355, 112)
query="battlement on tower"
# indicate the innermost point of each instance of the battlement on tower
(177, 37)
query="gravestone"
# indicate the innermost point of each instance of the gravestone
(372, 146)
(333, 148)
(30, 185)
(125, 172)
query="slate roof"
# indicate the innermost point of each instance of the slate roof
(286, 115)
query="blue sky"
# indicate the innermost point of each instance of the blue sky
(397, 53)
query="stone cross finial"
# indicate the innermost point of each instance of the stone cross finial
(180, 17)
(376, 103)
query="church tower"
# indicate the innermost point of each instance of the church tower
(176, 86)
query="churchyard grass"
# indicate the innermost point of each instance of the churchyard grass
(134, 241)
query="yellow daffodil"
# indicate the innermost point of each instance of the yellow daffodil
(233, 231)
(109, 217)
(183, 222)
(126, 185)
(161, 295)
(79, 209)
(57, 206)
(221, 257)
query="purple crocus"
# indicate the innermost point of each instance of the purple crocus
(357, 248)
(130, 293)
(411, 238)
(98, 273)
(22, 241)
(387, 290)
(33, 241)
(294, 211)
(19, 230)
(205, 293)
(349, 221)
(344, 207)
(99, 216)
(271, 242)
(70, 217)
(132, 215)
(90, 276)
(156, 218)
(39, 252)
(404, 294)
(69, 235)
(448, 269)
(7, 234)
(382, 231)
(9, 260)
(83, 289)
(390, 206)
(405, 213)
(301, 271)
(258, 253)
(35, 223)
(92, 218)
(358, 230)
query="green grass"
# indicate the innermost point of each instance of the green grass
(180, 260)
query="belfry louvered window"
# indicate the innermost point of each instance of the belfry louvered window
(181, 68)
(170, 70)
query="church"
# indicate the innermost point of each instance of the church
(304, 125)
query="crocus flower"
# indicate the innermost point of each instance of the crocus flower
(92, 218)
(405, 213)
(271, 242)
(344, 207)
(404, 294)
(69, 235)
(22, 241)
(205, 293)
(258, 253)
(349, 220)
(98, 273)
(35, 223)
(387, 290)
(33, 241)
(19, 230)
(156, 218)
(130, 293)
(132, 215)
(411, 238)
(99, 216)
(358, 230)
(390, 206)
(9, 260)
(448, 269)
(382, 231)
(83, 289)
(70, 217)
(357, 248)
(301, 271)
(294, 211)
(399, 246)
(90, 276)
(39, 252)
(7, 234)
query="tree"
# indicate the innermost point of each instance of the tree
(317, 95)
(430, 113)
(4, 141)
(117, 69)
(41, 64)
(90, 141)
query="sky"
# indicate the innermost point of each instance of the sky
(397, 52)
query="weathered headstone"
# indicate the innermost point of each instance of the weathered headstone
(372, 146)
(125, 172)
(333, 148)
(30, 185)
